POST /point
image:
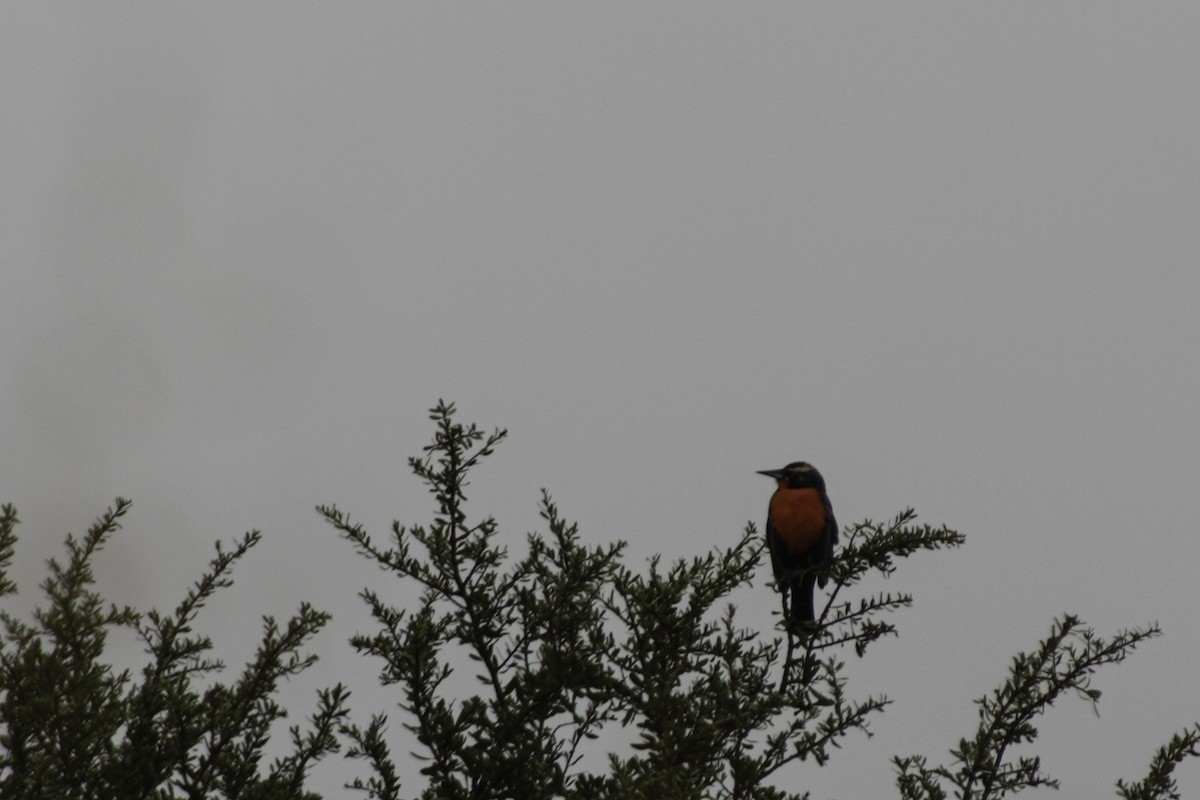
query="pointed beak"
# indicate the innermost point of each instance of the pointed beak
(771, 473)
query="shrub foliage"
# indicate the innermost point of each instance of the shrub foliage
(560, 672)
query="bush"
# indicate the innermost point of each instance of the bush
(74, 728)
(566, 645)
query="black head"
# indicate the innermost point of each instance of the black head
(797, 475)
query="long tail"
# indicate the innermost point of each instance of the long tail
(803, 614)
(801, 624)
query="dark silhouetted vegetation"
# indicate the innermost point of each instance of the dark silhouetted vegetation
(557, 672)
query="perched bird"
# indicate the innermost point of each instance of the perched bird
(801, 533)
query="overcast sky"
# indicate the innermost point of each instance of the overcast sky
(947, 253)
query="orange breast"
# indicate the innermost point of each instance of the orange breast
(798, 516)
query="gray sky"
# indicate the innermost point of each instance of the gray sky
(947, 253)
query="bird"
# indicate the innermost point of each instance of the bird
(801, 534)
